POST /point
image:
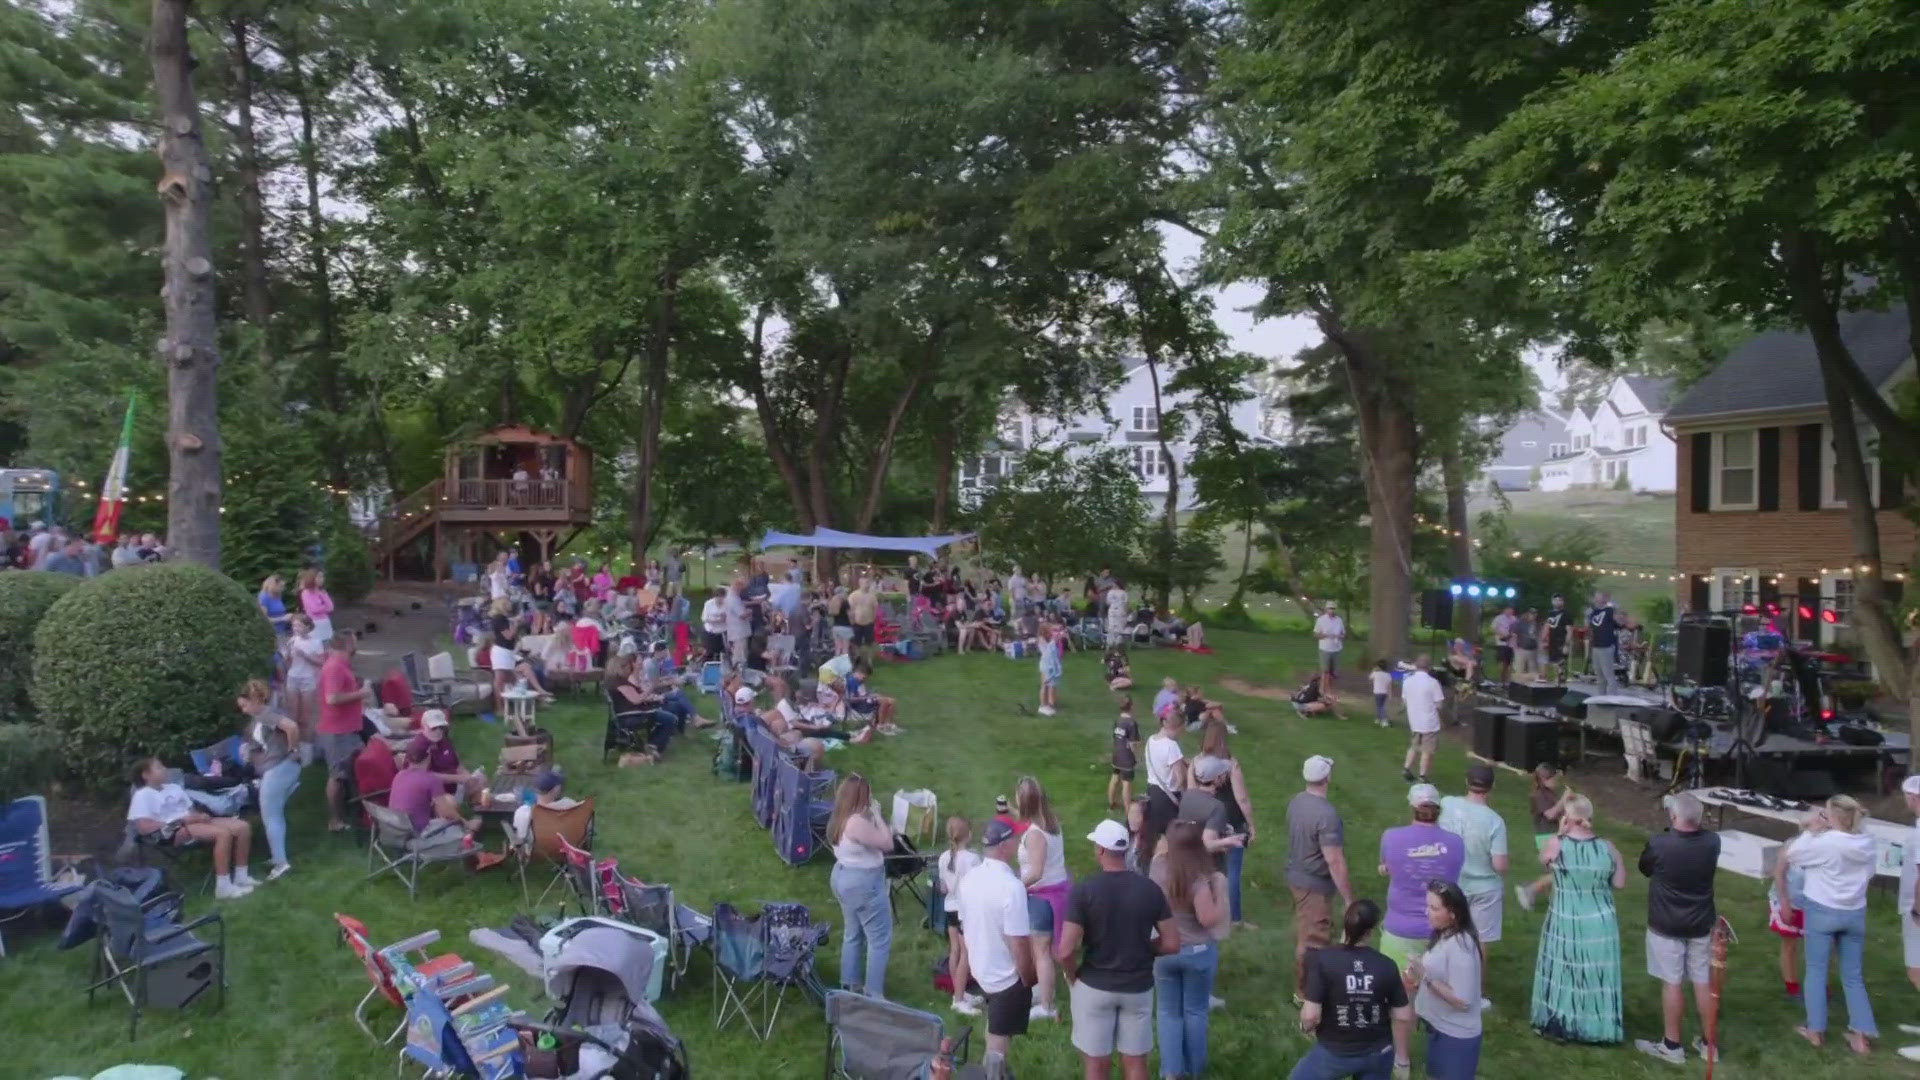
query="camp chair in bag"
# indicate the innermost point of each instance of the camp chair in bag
(397, 848)
(153, 958)
(654, 908)
(871, 1039)
(547, 829)
(27, 881)
(380, 965)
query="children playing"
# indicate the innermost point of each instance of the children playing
(1119, 672)
(954, 864)
(1051, 642)
(1382, 678)
(1126, 757)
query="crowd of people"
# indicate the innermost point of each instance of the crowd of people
(39, 546)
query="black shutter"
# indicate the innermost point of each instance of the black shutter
(1891, 492)
(1702, 472)
(1894, 592)
(1810, 599)
(1769, 468)
(1769, 592)
(1698, 596)
(1809, 466)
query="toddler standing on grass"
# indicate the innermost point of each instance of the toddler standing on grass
(954, 864)
(1050, 668)
(1382, 678)
(1126, 757)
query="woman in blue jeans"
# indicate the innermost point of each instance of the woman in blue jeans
(1239, 803)
(1183, 981)
(1839, 861)
(272, 742)
(861, 844)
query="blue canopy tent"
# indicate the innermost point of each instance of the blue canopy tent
(833, 538)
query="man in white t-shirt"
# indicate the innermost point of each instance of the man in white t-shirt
(992, 907)
(1424, 696)
(739, 622)
(713, 624)
(1017, 593)
(1331, 631)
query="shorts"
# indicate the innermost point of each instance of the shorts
(1489, 910)
(1379, 706)
(1504, 654)
(1007, 1010)
(1796, 927)
(1556, 653)
(1039, 915)
(1049, 678)
(1401, 949)
(304, 683)
(863, 635)
(843, 633)
(1124, 773)
(1676, 960)
(713, 643)
(1909, 939)
(1426, 741)
(339, 749)
(1329, 661)
(1106, 1023)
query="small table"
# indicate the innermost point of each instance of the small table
(505, 793)
(1890, 838)
(518, 706)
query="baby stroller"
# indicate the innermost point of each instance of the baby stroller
(602, 1025)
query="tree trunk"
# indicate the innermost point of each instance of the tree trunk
(256, 297)
(883, 454)
(1169, 514)
(820, 454)
(770, 428)
(326, 362)
(191, 349)
(1390, 467)
(1239, 597)
(1453, 473)
(653, 410)
(944, 439)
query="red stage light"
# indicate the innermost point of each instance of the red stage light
(1749, 609)
(1830, 616)
(1806, 612)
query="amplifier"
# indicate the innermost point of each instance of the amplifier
(1490, 731)
(1535, 695)
(1531, 740)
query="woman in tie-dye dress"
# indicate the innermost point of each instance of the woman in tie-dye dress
(1576, 979)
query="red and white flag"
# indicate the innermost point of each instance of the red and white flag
(113, 493)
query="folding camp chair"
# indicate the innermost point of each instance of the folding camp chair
(397, 848)
(655, 908)
(27, 881)
(712, 675)
(153, 958)
(792, 937)
(906, 866)
(629, 727)
(872, 1039)
(428, 695)
(924, 627)
(226, 752)
(739, 966)
(547, 829)
(379, 966)
(471, 1039)
(800, 814)
(455, 688)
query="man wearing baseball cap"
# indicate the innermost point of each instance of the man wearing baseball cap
(1411, 856)
(991, 905)
(1107, 949)
(1316, 866)
(1485, 833)
(1204, 802)
(1910, 904)
(444, 760)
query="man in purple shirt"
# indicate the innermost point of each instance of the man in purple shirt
(1410, 856)
(417, 793)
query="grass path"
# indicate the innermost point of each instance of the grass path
(294, 984)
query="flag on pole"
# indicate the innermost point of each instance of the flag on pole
(113, 493)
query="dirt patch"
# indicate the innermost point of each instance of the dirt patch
(1247, 689)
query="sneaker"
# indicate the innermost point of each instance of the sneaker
(1910, 1029)
(1407, 775)
(1654, 1048)
(243, 879)
(976, 1001)
(1485, 1005)
(1041, 1012)
(1216, 1003)
(1231, 730)
(1911, 1053)
(1525, 897)
(965, 1007)
(1046, 710)
(1706, 1050)
(279, 871)
(227, 890)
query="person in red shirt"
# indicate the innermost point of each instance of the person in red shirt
(343, 699)
(443, 760)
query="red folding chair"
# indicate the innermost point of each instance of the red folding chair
(380, 971)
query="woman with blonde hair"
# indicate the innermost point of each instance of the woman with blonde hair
(273, 607)
(317, 603)
(1839, 861)
(1576, 976)
(954, 864)
(1043, 870)
(273, 746)
(1238, 801)
(861, 843)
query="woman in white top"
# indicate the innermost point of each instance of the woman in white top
(861, 844)
(1445, 981)
(1838, 860)
(306, 651)
(1043, 870)
(954, 864)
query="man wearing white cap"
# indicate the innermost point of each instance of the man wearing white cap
(1316, 865)
(1910, 904)
(1412, 855)
(1107, 949)
(991, 905)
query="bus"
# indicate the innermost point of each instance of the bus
(29, 495)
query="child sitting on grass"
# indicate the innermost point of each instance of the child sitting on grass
(1126, 757)
(1119, 672)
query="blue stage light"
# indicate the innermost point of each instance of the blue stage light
(1512, 592)
(1473, 590)
(1455, 590)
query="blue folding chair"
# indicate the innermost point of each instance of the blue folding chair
(739, 966)
(711, 674)
(26, 864)
(472, 1039)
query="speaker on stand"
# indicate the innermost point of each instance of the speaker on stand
(1436, 609)
(1704, 653)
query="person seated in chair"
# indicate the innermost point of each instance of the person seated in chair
(1462, 661)
(627, 696)
(162, 811)
(419, 793)
(862, 700)
(811, 749)
(550, 792)
(435, 741)
(1312, 699)
(656, 677)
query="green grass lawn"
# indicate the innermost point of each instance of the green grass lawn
(1637, 531)
(293, 984)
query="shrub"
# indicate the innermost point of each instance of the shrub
(349, 566)
(146, 661)
(29, 759)
(25, 596)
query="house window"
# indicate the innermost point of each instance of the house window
(1735, 483)
(969, 469)
(1149, 462)
(1830, 496)
(1733, 589)
(1557, 449)
(1146, 418)
(1613, 470)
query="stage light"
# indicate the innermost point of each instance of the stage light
(1455, 590)
(1828, 615)
(1773, 610)
(1473, 590)
(1512, 592)
(1749, 609)
(1805, 611)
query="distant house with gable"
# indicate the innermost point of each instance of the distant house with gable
(1525, 448)
(1619, 441)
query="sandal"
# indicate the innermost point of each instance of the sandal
(1816, 1038)
(1858, 1042)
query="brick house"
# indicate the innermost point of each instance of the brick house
(1758, 516)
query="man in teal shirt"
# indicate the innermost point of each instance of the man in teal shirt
(1485, 833)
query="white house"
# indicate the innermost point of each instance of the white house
(1526, 446)
(1127, 421)
(1617, 441)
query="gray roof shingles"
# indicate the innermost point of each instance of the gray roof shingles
(1777, 371)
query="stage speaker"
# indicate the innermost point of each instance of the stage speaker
(1490, 731)
(1535, 695)
(1530, 741)
(1436, 609)
(1702, 653)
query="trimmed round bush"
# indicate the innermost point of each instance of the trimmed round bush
(25, 596)
(29, 759)
(146, 660)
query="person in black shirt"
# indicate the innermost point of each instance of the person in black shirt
(1679, 865)
(1603, 628)
(1357, 1007)
(1559, 621)
(1126, 757)
(1107, 948)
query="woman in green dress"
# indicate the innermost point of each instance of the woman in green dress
(1576, 978)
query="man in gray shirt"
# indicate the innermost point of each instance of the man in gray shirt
(1316, 866)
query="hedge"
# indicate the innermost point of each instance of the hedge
(146, 660)
(29, 760)
(25, 596)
